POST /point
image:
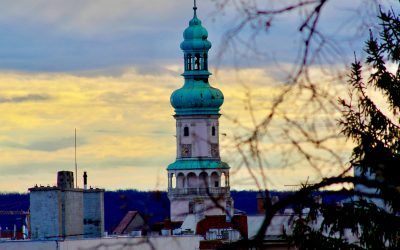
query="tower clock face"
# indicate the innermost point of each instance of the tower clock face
(186, 150)
(214, 150)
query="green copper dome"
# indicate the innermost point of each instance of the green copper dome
(196, 97)
(195, 36)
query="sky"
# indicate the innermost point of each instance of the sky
(107, 68)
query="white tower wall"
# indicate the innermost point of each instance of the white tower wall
(203, 142)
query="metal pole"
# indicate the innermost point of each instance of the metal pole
(76, 165)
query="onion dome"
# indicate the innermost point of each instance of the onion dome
(195, 36)
(196, 97)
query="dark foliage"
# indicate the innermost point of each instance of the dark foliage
(14, 202)
(362, 223)
(153, 205)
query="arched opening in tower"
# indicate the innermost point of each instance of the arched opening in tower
(214, 179)
(180, 180)
(203, 180)
(192, 180)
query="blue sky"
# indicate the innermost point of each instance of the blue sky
(76, 36)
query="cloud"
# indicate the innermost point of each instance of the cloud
(25, 98)
(85, 36)
(124, 123)
(50, 145)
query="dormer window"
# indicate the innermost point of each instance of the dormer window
(186, 131)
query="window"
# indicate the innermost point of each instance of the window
(191, 207)
(213, 131)
(189, 61)
(197, 61)
(186, 131)
(205, 62)
(173, 181)
(216, 184)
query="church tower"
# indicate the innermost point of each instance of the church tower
(198, 181)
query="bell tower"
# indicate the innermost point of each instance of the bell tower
(198, 181)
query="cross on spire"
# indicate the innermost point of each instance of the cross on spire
(194, 7)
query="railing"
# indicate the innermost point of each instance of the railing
(199, 191)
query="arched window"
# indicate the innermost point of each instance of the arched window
(173, 181)
(180, 180)
(191, 207)
(205, 62)
(197, 61)
(203, 180)
(223, 180)
(213, 130)
(215, 179)
(192, 180)
(189, 61)
(186, 131)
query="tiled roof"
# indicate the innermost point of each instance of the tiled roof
(238, 222)
(130, 215)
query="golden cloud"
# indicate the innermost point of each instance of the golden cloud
(126, 124)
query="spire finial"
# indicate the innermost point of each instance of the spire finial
(194, 7)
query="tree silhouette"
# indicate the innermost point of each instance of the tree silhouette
(370, 219)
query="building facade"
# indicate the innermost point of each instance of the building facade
(66, 212)
(198, 181)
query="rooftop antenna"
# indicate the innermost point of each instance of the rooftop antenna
(76, 165)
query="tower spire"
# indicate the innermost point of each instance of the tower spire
(194, 7)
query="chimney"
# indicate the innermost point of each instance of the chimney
(84, 180)
(260, 203)
(65, 179)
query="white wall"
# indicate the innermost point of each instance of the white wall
(121, 243)
(199, 134)
(73, 213)
(179, 209)
(28, 245)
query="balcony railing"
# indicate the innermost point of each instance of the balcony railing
(198, 191)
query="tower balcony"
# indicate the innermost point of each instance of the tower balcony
(210, 191)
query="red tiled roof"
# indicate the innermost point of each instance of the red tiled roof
(9, 234)
(130, 215)
(238, 222)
